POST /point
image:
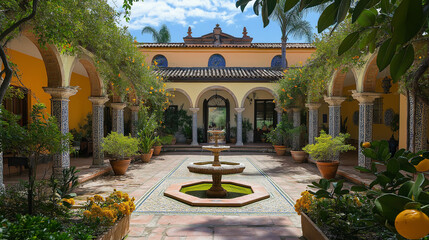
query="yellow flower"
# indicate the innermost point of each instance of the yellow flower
(98, 198)
(151, 88)
(155, 63)
(150, 92)
(164, 85)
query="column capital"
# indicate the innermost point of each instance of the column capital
(194, 110)
(279, 109)
(296, 109)
(365, 97)
(239, 110)
(61, 92)
(313, 106)
(118, 106)
(98, 100)
(134, 108)
(334, 101)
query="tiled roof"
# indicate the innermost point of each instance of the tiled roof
(227, 74)
(252, 45)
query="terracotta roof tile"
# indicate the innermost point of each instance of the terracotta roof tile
(228, 74)
(252, 45)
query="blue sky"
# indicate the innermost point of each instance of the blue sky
(202, 16)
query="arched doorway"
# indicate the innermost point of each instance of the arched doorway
(216, 110)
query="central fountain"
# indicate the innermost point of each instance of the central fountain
(213, 193)
(216, 168)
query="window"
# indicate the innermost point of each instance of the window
(276, 62)
(378, 111)
(161, 61)
(18, 106)
(265, 118)
(216, 60)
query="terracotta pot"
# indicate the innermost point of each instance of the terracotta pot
(147, 156)
(120, 166)
(157, 150)
(233, 140)
(299, 156)
(328, 169)
(117, 231)
(310, 230)
(280, 150)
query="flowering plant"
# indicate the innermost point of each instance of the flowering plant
(109, 210)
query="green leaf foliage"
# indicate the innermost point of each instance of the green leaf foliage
(119, 146)
(348, 42)
(326, 147)
(401, 62)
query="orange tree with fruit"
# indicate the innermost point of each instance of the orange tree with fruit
(394, 205)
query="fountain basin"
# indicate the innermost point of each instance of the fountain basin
(208, 168)
(258, 193)
(200, 189)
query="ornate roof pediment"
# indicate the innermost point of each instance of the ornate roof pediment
(217, 38)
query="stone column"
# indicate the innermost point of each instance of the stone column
(60, 109)
(296, 123)
(313, 121)
(366, 111)
(289, 114)
(239, 126)
(134, 119)
(118, 117)
(194, 126)
(334, 117)
(418, 120)
(97, 129)
(279, 114)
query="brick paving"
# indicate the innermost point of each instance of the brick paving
(291, 177)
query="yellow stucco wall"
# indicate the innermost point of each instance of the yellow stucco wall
(79, 105)
(199, 57)
(33, 76)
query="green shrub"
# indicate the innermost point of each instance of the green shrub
(39, 227)
(326, 147)
(119, 146)
(167, 139)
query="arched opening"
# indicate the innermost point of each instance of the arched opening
(259, 115)
(180, 103)
(217, 116)
(216, 61)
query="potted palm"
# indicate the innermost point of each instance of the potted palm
(146, 143)
(324, 151)
(120, 148)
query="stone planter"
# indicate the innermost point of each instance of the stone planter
(299, 156)
(117, 231)
(157, 150)
(328, 169)
(310, 230)
(280, 150)
(120, 166)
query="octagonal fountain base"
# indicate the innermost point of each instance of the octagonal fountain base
(257, 193)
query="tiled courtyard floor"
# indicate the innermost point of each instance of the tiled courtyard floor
(291, 177)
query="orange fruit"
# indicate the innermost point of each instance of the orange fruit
(366, 144)
(423, 165)
(412, 224)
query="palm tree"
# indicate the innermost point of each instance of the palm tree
(291, 24)
(161, 36)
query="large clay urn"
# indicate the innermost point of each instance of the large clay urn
(299, 156)
(280, 150)
(328, 169)
(120, 166)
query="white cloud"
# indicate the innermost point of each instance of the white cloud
(185, 12)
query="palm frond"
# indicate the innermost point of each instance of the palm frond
(151, 30)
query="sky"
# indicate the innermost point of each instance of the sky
(202, 16)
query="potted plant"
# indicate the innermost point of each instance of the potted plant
(276, 138)
(120, 148)
(298, 155)
(157, 147)
(324, 151)
(146, 143)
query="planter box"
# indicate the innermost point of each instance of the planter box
(117, 231)
(310, 230)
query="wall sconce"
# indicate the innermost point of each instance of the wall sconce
(251, 99)
(386, 85)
